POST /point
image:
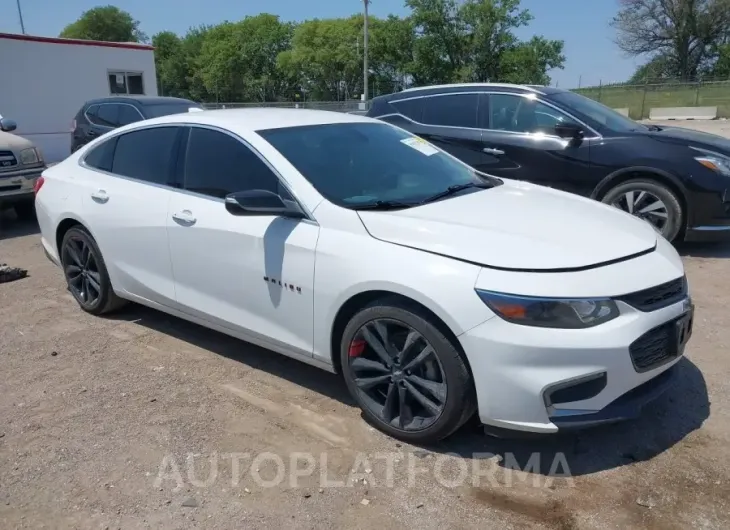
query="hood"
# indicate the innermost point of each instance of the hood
(709, 141)
(13, 142)
(517, 226)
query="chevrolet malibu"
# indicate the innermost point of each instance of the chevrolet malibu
(436, 291)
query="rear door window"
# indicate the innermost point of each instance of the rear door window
(107, 115)
(101, 156)
(453, 110)
(410, 108)
(146, 154)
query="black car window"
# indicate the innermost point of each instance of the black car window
(146, 154)
(217, 164)
(107, 115)
(523, 114)
(101, 156)
(455, 110)
(91, 112)
(128, 114)
(411, 108)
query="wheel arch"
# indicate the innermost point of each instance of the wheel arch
(361, 299)
(629, 173)
(68, 222)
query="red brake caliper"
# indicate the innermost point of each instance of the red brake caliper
(356, 348)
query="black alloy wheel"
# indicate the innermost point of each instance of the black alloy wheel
(398, 374)
(409, 379)
(86, 274)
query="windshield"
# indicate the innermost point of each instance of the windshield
(597, 111)
(155, 111)
(356, 164)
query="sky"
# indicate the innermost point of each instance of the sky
(591, 55)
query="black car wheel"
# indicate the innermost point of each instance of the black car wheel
(86, 274)
(651, 201)
(408, 378)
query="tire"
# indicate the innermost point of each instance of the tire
(94, 270)
(454, 384)
(616, 196)
(25, 210)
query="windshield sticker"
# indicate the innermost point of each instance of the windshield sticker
(420, 145)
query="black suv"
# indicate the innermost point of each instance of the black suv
(102, 115)
(677, 179)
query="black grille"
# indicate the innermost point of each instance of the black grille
(655, 347)
(7, 160)
(657, 297)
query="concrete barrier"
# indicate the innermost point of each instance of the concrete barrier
(683, 113)
(623, 111)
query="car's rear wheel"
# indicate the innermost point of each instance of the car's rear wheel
(86, 274)
(651, 201)
(408, 378)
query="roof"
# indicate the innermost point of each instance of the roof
(531, 88)
(81, 42)
(257, 119)
(143, 100)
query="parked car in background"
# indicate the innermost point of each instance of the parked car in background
(676, 179)
(99, 116)
(357, 247)
(21, 164)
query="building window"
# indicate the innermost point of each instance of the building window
(126, 83)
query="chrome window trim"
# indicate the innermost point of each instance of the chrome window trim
(282, 181)
(111, 103)
(482, 86)
(596, 134)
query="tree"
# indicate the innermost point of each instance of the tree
(474, 40)
(107, 23)
(685, 33)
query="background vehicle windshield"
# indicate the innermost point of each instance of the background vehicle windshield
(353, 164)
(597, 111)
(155, 111)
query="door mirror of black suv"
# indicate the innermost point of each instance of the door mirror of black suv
(261, 202)
(569, 131)
(7, 125)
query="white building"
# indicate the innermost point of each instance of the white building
(45, 81)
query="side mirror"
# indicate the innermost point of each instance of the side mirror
(7, 125)
(570, 131)
(261, 202)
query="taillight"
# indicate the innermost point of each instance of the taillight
(38, 183)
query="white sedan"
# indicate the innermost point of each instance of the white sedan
(436, 291)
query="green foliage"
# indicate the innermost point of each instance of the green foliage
(262, 58)
(106, 23)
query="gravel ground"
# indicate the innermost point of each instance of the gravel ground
(141, 420)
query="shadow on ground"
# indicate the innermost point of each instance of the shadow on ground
(12, 227)
(680, 411)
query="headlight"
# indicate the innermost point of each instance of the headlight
(563, 313)
(29, 156)
(714, 161)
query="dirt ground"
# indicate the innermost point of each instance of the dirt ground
(141, 420)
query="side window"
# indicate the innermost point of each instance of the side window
(520, 114)
(410, 108)
(217, 164)
(457, 110)
(101, 156)
(128, 114)
(146, 154)
(107, 115)
(91, 113)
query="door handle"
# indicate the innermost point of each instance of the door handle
(184, 217)
(493, 151)
(100, 196)
(92, 133)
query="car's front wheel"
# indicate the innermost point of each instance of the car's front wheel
(651, 201)
(410, 380)
(86, 274)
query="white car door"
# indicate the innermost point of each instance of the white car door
(126, 194)
(250, 273)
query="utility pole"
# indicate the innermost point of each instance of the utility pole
(20, 14)
(365, 54)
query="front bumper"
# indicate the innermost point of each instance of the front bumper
(545, 380)
(17, 186)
